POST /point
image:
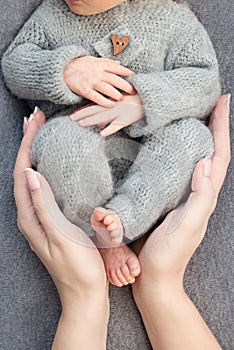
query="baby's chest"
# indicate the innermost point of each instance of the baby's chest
(142, 52)
(136, 51)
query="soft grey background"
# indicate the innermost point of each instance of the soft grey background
(30, 307)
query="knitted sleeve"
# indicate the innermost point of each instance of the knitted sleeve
(188, 87)
(33, 70)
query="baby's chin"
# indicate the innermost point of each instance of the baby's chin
(83, 13)
(76, 8)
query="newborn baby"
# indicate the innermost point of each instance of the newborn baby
(119, 164)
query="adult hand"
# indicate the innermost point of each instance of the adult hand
(75, 265)
(123, 114)
(169, 248)
(158, 291)
(91, 77)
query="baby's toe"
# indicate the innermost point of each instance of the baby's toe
(116, 233)
(112, 226)
(99, 213)
(117, 240)
(114, 279)
(109, 219)
(134, 266)
(121, 277)
(125, 271)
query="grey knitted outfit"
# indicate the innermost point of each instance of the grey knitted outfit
(144, 170)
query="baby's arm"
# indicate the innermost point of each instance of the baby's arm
(189, 86)
(34, 71)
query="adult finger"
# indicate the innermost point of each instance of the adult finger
(193, 217)
(219, 125)
(57, 228)
(21, 193)
(23, 157)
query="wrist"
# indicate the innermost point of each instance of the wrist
(160, 290)
(159, 295)
(133, 99)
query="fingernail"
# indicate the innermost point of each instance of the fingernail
(35, 110)
(227, 102)
(111, 104)
(206, 166)
(72, 116)
(31, 118)
(25, 124)
(81, 122)
(32, 179)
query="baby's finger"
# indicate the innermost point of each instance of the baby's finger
(97, 98)
(87, 112)
(108, 90)
(101, 126)
(101, 118)
(111, 129)
(119, 83)
(119, 70)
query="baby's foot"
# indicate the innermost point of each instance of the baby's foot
(121, 264)
(107, 225)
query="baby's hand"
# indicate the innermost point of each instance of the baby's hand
(123, 114)
(93, 77)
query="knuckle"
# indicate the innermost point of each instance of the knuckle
(88, 91)
(56, 240)
(38, 209)
(32, 247)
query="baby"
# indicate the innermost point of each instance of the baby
(126, 159)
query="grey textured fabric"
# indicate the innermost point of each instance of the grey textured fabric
(29, 303)
(176, 77)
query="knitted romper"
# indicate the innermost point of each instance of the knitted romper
(144, 170)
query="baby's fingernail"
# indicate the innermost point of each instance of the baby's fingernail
(111, 104)
(25, 124)
(206, 166)
(81, 122)
(32, 179)
(228, 99)
(72, 116)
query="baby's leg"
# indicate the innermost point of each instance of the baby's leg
(121, 263)
(73, 161)
(160, 177)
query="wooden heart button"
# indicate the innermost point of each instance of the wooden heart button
(119, 44)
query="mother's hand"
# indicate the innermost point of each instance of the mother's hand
(73, 263)
(169, 248)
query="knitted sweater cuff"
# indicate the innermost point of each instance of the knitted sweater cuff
(38, 74)
(60, 92)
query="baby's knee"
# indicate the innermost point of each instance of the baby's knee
(189, 138)
(61, 137)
